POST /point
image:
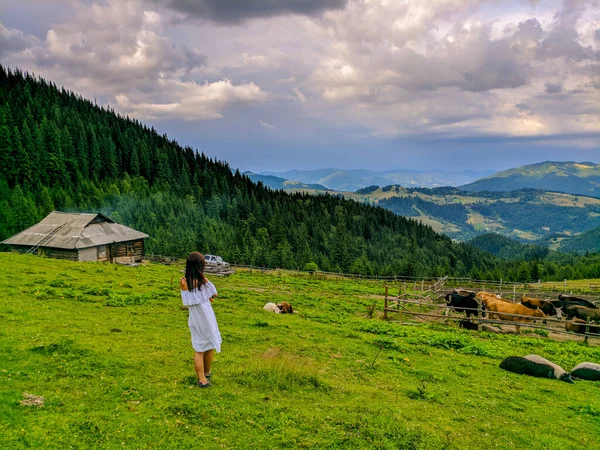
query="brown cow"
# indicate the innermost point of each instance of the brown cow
(482, 295)
(578, 326)
(511, 312)
(535, 303)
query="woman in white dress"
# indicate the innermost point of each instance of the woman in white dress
(197, 294)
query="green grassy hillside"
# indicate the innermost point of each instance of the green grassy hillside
(108, 348)
(584, 242)
(509, 249)
(526, 215)
(571, 177)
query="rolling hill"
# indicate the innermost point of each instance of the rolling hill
(570, 177)
(526, 215)
(281, 183)
(509, 249)
(588, 241)
(351, 180)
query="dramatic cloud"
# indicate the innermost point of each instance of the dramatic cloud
(435, 67)
(237, 11)
(119, 51)
(331, 71)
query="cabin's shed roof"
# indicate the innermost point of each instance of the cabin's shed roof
(74, 231)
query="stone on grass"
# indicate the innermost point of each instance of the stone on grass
(32, 400)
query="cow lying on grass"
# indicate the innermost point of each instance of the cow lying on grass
(578, 326)
(536, 366)
(587, 371)
(280, 308)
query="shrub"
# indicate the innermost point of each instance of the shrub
(311, 267)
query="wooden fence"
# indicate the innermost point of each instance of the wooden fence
(432, 302)
(515, 290)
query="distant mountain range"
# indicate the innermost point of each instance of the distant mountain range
(281, 183)
(527, 215)
(351, 180)
(550, 203)
(571, 177)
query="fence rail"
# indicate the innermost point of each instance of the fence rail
(518, 320)
(516, 290)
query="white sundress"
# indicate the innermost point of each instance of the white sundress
(202, 320)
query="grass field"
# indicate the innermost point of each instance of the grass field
(108, 348)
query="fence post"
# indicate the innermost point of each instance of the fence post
(587, 330)
(479, 314)
(422, 284)
(500, 284)
(514, 292)
(565, 285)
(386, 303)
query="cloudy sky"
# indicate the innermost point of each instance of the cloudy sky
(378, 84)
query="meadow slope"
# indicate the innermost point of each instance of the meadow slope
(108, 348)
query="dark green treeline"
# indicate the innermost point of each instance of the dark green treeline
(59, 151)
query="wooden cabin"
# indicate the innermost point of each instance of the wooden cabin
(80, 237)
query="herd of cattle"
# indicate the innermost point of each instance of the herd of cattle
(577, 310)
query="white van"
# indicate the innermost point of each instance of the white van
(215, 260)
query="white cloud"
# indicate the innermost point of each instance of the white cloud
(389, 68)
(267, 125)
(194, 101)
(119, 51)
(446, 67)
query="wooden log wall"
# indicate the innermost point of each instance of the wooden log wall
(59, 253)
(133, 249)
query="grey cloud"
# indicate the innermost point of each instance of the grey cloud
(14, 41)
(553, 88)
(237, 11)
(563, 40)
(523, 107)
(528, 30)
(497, 68)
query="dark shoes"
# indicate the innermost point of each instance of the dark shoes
(208, 375)
(205, 385)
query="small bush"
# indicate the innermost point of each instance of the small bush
(311, 267)
(98, 291)
(371, 310)
(116, 300)
(59, 283)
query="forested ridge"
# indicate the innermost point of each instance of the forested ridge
(59, 151)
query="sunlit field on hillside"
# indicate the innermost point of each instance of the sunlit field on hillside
(108, 348)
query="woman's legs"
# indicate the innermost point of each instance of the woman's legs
(199, 365)
(208, 356)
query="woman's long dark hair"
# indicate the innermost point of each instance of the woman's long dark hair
(194, 270)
